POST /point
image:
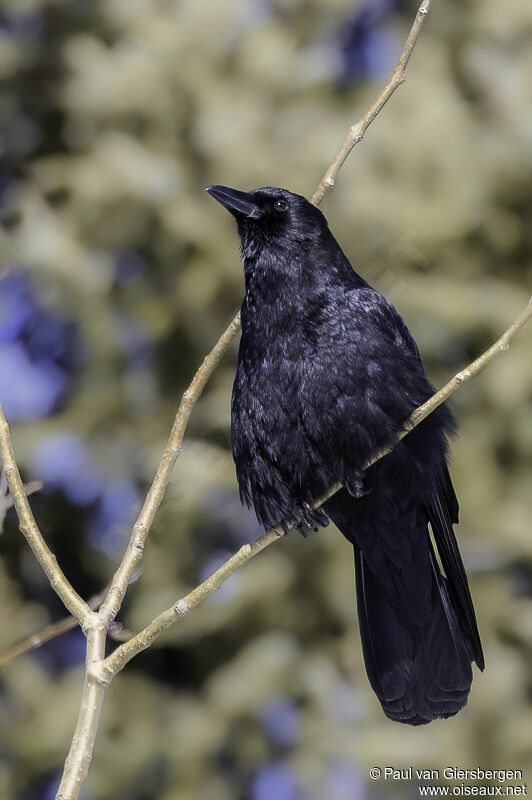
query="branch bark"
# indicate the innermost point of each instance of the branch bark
(116, 631)
(356, 132)
(80, 754)
(106, 670)
(135, 548)
(58, 581)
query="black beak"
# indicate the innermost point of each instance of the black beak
(234, 201)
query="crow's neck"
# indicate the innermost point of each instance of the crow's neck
(287, 286)
(273, 290)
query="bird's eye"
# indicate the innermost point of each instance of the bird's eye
(280, 205)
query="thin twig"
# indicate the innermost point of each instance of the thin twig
(37, 639)
(107, 669)
(6, 501)
(74, 603)
(357, 131)
(116, 631)
(500, 346)
(135, 548)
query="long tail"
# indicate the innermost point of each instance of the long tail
(418, 673)
(418, 628)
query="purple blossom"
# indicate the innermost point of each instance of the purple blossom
(16, 306)
(62, 461)
(117, 507)
(346, 702)
(343, 781)
(281, 720)
(28, 390)
(275, 781)
(368, 49)
(37, 352)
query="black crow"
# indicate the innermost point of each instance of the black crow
(327, 373)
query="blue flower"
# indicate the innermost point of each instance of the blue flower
(28, 390)
(281, 720)
(62, 461)
(110, 523)
(343, 781)
(367, 49)
(37, 352)
(16, 307)
(135, 341)
(275, 781)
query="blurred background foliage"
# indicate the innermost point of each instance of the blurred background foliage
(119, 273)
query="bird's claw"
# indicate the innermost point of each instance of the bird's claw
(304, 524)
(308, 519)
(316, 515)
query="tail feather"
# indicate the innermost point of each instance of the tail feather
(442, 512)
(418, 673)
(418, 626)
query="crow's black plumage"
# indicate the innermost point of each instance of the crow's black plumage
(327, 372)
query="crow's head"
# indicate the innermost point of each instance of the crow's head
(270, 217)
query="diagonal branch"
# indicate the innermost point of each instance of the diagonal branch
(116, 631)
(107, 669)
(135, 548)
(75, 604)
(357, 131)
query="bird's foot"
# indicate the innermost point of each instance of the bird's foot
(316, 515)
(311, 519)
(305, 523)
(292, 522)
(355, 485)
(308, 519)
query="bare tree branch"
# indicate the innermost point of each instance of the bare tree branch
(6, 501)
(135, 548)
(357, 131)
(116, 631)
(75, 604)
(107, 669)
(37, 639)
(80, 754)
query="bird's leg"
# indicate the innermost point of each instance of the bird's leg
(355, 484)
